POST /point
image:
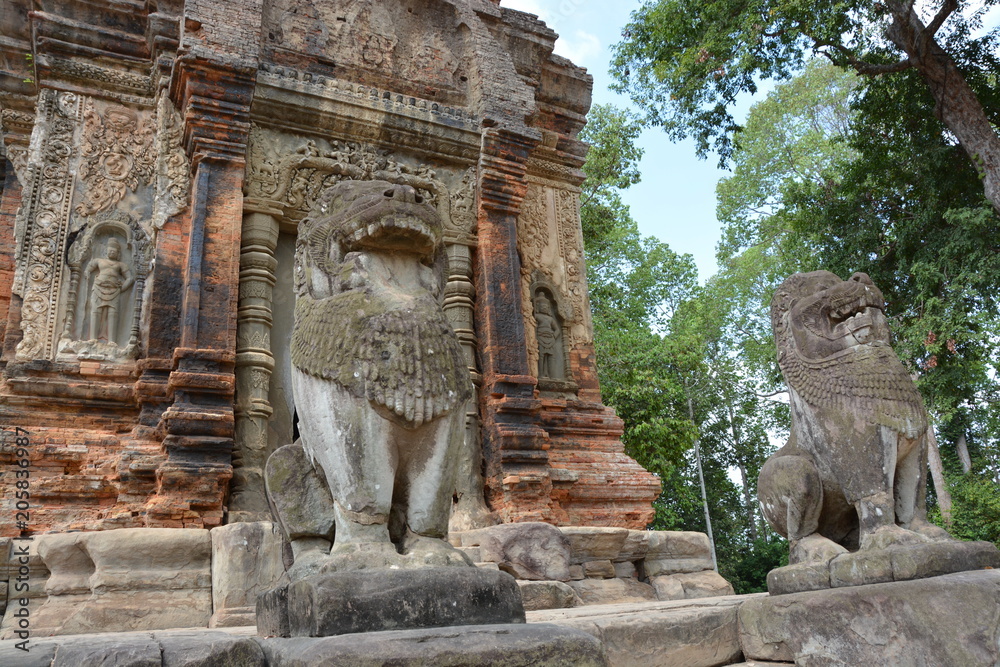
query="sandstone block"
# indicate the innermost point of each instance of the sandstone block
(949, 620)
(612, 591)
(272, 613)
(874, 566)
(656, 568)
(635, 548)
(547, 595)
(689, 633)
(246, 561)
(674, 544)
(32, 588)
(533, 550)
(707, 584)
(667, 587)
(131, 651)
(122, 580)
(209, 649)
(599, 569)
(576, 573)
(799, 577)
(626, 570)
(590, 543)
(535, 645)
(401, 599)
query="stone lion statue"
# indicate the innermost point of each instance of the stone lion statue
(380, 386)
(853, 472)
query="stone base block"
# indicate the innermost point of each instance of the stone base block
(612, 591)
(377, 600)
(695, 633)
(548, 595)
(877, 566)
(948, 620)
(470, 646)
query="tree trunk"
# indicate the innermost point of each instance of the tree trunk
(963, 454)
(937, 474)
(956, 104)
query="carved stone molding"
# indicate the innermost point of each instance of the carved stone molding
(16, 127)
(294, 178)
(42, 226)
(173, 170)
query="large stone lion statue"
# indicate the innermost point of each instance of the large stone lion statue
(853, 472)
(380, 384)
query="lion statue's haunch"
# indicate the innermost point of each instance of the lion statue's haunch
(854, 469)
(380, 385)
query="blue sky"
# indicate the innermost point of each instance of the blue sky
(676, 200)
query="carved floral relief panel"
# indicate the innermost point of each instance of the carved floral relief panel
(103, 178)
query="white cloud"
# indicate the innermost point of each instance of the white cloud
(581, 47)
(539, 8)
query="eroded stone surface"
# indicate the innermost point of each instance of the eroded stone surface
(590, 543)
(375, 601)
(698, 633)
(246, 561)
(474, 646)
(612, 591)
(120, 580)
(948, 620)
(547, 595)
(532, 550)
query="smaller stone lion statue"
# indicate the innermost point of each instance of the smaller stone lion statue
(853, 472)
(380, 383)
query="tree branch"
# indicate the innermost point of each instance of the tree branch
(947, 9)
(861, 66)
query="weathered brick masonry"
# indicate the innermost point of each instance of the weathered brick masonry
(158, 155)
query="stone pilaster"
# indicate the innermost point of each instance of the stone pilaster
(514, 445)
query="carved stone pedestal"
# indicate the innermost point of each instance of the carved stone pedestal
(325, 605)
(878, 566)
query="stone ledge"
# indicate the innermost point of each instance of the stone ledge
(472, 646)
(685, 633)
(878, 566)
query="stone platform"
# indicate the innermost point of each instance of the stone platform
(947, 620)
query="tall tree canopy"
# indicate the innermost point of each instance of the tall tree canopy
(686, 61)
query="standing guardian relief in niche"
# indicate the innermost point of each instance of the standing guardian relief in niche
(110, 284)
(380, 385)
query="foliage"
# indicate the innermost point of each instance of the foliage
(685, 62)
(635, 285)
(663, 365)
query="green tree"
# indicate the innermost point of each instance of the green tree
(635, 285)
(662, 364)
(685, 62)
